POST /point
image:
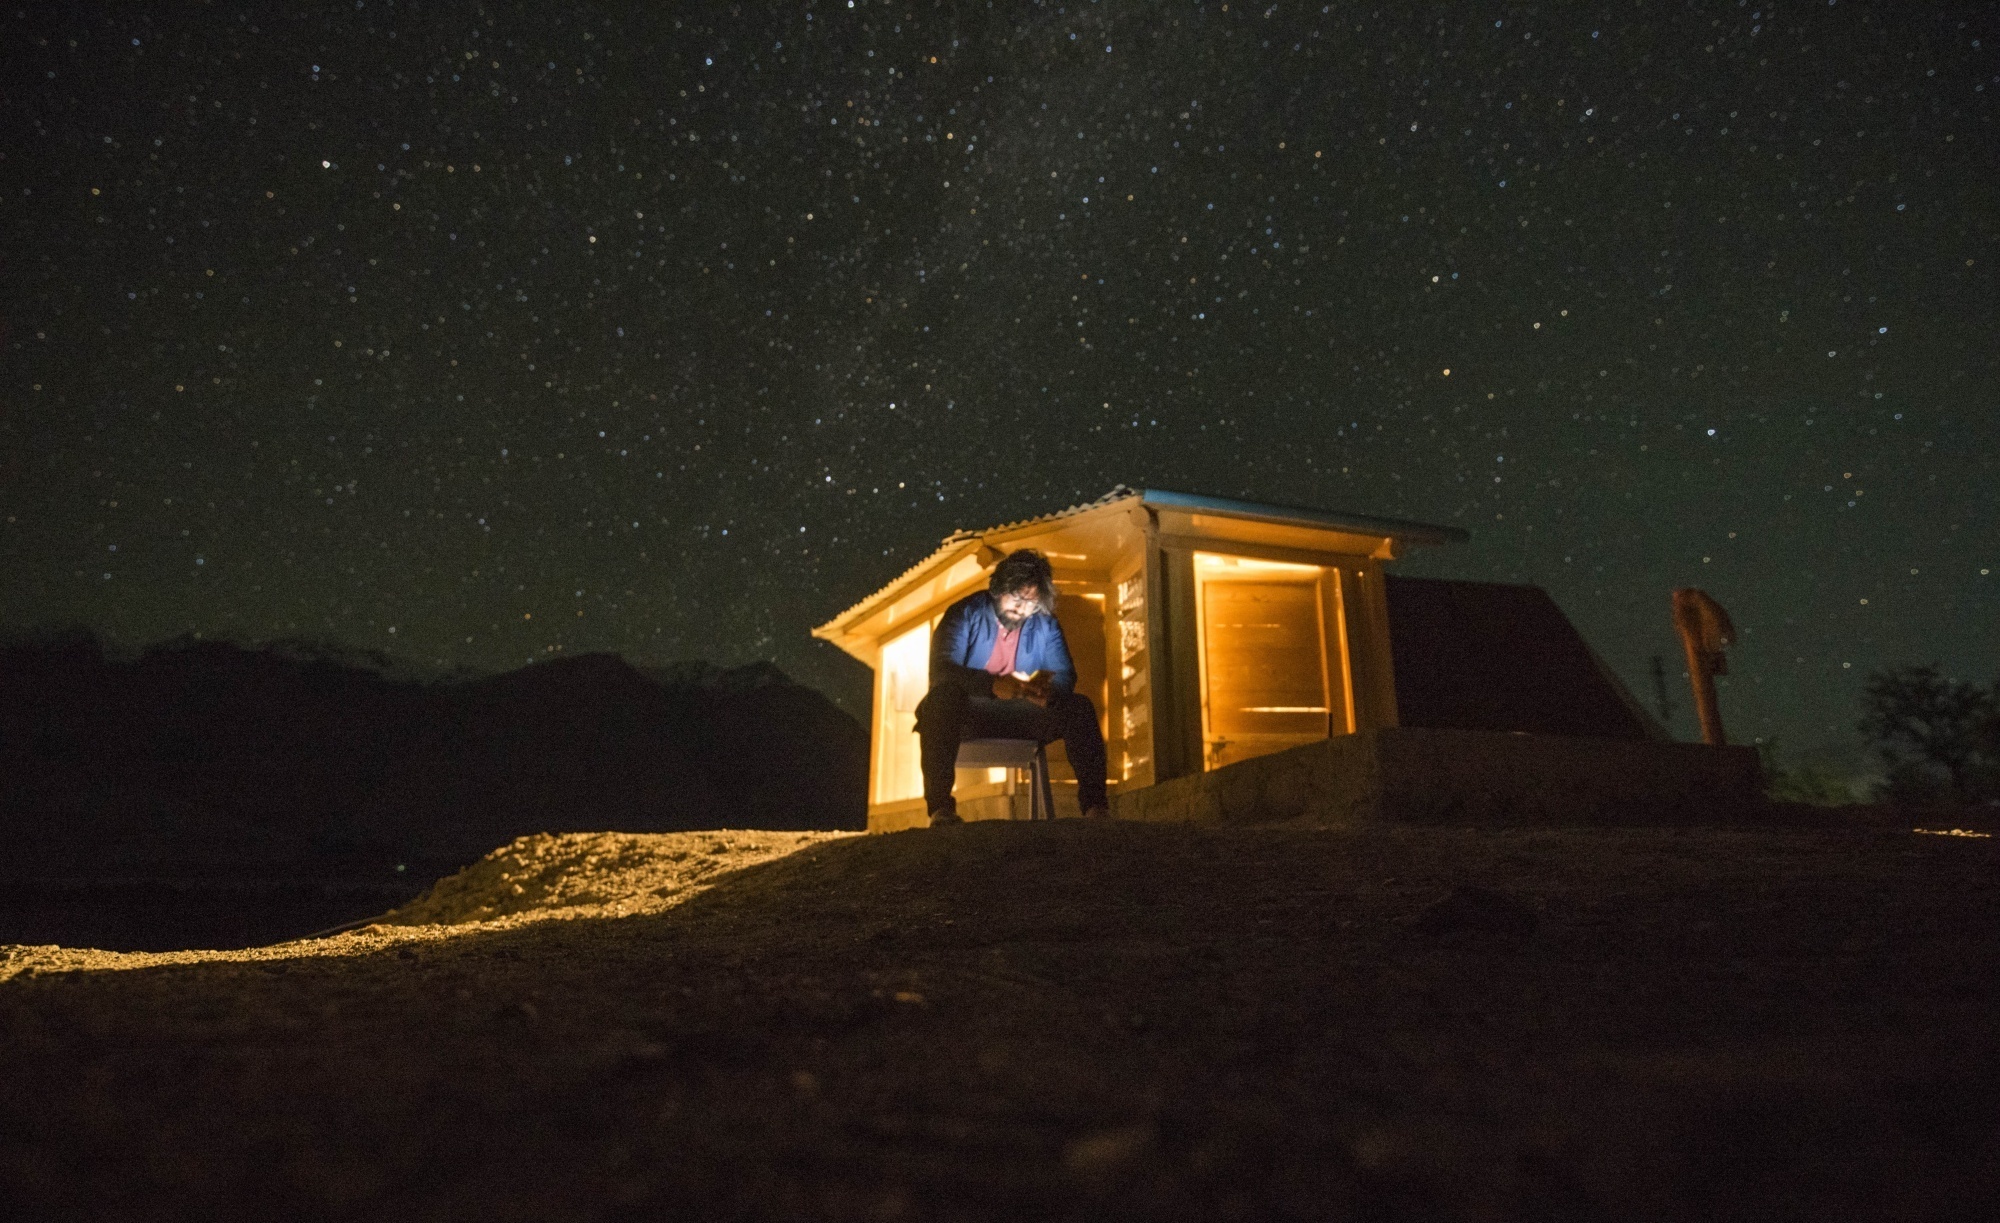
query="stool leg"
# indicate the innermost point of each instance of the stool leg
(1035, 787)
(1044, 794)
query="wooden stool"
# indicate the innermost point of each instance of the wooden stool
(1027, 754)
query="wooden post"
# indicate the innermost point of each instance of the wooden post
(1705, 631)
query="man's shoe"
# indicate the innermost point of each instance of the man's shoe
(1097, 813)
(945, 815)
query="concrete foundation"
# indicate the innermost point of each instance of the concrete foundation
(1409, 775)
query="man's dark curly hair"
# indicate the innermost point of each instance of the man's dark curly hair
(1020, 570)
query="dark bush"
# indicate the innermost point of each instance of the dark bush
(1938, 738)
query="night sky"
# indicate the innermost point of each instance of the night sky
(481, 333)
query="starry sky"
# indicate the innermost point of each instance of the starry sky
(480, 333)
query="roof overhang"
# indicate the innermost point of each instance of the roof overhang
(965, 555)
(1399, 529)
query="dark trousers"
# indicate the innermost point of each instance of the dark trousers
(948, 716)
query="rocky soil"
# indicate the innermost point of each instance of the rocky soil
(1013, 1021)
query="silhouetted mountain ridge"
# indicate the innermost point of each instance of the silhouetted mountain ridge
(308, 757)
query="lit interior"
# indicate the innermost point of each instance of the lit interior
(1266, 682)
(901, 678)
(1259, 658)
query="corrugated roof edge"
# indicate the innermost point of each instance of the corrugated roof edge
(958, 539)
(1397, 528)
(1119, 492)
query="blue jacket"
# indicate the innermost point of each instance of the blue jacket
(963, 641)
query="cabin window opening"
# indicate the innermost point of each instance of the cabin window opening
(901, 679)
(1266, 683)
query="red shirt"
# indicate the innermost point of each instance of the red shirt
(1001, 660)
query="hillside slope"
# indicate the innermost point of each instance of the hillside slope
(1062, 1021)
(221, 771)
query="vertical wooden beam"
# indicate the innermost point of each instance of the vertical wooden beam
(877, 699)
(1159, 654)
(1340, 719)
(1177, 734)
(1132, 723)
(1159, 682)
(1368, 644)
(1170, 649)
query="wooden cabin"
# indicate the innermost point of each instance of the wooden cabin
(1207, 631)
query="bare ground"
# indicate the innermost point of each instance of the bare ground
(1016, 1021)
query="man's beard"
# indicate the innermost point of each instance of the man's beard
(1010, 623)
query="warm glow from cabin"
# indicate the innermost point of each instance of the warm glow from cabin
(901, 679)
(1268, 631)
(1205, 631)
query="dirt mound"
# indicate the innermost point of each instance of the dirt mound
(548, 875)
(594, 874)
(1058, 1020)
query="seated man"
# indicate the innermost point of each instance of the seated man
(1000, 669)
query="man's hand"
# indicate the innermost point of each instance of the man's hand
(1036, 688)
(1013, 688)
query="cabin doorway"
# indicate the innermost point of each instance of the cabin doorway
(1272, 656)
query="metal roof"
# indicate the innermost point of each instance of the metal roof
(1361, 524)
(957, 541)
(1119, 492)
